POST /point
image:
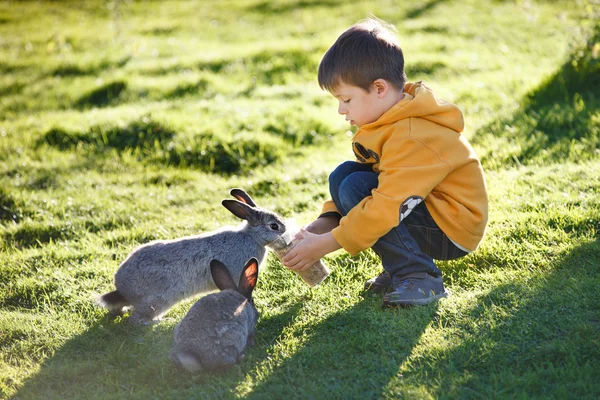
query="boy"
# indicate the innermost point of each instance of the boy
(417, 190)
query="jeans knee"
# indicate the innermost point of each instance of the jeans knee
(349, 183)
(351, 192)
(340, 173)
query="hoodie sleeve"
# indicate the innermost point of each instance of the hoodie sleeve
(329, 207)
(408, 172)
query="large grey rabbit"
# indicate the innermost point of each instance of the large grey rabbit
(159, 274)
(216, 330)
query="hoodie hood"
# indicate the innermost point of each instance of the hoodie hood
(420, 102)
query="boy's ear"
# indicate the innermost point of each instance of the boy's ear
(381, 86)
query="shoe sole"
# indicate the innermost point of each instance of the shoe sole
(415, 302)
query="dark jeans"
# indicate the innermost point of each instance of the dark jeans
(408, 248)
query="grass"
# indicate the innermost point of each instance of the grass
(127, 121)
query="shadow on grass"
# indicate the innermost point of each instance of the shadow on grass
(113, 359)
(271, 7)
(422, 9)
(153, 142)
(351, 354)
(103, 96)
(357, 351)
(558, 121)
(532, 338)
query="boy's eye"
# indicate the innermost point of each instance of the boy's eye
(346, 101)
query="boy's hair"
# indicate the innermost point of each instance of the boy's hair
(365, 52)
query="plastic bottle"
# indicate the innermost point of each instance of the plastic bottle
(312, 275)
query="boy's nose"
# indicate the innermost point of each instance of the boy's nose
(341, 110)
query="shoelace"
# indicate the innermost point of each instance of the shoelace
(410, 283)
(406, 284)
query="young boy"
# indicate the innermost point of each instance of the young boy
(417, 190)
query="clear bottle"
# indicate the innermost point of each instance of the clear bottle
(312, 275)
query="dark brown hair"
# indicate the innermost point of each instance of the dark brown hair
(365, 52)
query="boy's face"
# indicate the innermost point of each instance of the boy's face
(357, 105)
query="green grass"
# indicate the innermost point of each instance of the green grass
(125, 122)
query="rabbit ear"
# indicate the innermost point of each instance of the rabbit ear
(221, 275)
(241, 210)
(249, 278)
(242, 196)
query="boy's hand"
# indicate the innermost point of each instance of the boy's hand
(309, 250)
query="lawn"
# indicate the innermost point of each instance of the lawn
(123, 122)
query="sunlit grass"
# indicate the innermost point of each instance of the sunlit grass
(128, 121)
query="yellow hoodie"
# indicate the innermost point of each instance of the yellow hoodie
(419, 153)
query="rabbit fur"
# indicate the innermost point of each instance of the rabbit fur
(216, 330)
(159, 274)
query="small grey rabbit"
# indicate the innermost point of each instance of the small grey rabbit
(216, 330)
(159, 274)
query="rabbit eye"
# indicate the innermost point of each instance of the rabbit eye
(274, 226)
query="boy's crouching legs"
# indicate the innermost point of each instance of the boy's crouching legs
(399, 251)
(413, 276)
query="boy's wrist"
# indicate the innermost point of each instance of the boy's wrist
(323, 224)
(328, 243)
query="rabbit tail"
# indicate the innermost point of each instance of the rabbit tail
(114, 301)
(188, 361)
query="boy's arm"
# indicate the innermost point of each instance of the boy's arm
(325, 223)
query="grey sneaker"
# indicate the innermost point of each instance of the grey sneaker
(381, 283)
(415, 289)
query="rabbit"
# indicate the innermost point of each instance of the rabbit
(159, 274)
(216, 330)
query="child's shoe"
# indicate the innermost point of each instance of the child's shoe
(415, 289)
(381, 283)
